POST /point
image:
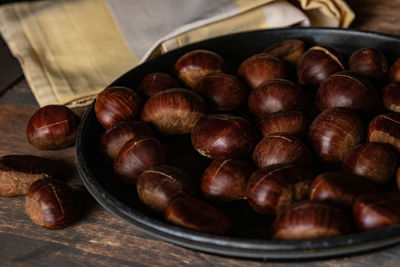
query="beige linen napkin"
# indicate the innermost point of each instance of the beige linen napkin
(69, 50)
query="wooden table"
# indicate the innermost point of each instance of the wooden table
(100, 238)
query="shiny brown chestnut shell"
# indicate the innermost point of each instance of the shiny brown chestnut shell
(222, 91)
(377, 211)
(289, 50)
(174, 111)
(376, 162)
(194, 65)
(159, 185)
(391, 96)
(394, 71)
(347, 89)
(112, 140)
(261, 68)
(273, 188)
(225, 179)
(115, 104)
(310, 219)
(224, 136)
(341, 188)
(385, 128)
(276, 95)
(281, 148)
(369, 62)
(197, 215)
(52, 127)
(52, 204)
(156, 82)
(291, 122)
(137, 155)
(317, 64)
(335, 132)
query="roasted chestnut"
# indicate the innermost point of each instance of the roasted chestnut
(52, 127)
(273, 188)
(375, 161)
(310, 219)
(194, 65)
(112, 140)
(276, 95)
(377, 211)
(394, 72)
(174, 111)
(335, 132)
(157, 186)
(347, 89)
(385, 128)
(288, 50)
(222, 91)
(52, 204)
(317, 64)
(369, 62)
(261, 68)
(341, 188)
(291, 122)
(281, 148)
(156, 82)
(225, 180)
(116, 104)
(18, 172)
(198, 215)
(137, 155)
(224, 136)
(391, 96)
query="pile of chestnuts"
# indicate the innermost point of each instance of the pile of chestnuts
(303, 137)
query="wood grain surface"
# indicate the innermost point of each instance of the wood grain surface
(100, 238)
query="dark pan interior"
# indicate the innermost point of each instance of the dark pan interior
(250, 231)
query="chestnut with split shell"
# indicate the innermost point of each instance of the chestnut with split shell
(310, 219)
(52, 127)
(273, 188)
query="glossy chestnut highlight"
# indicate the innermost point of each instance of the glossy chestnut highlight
(290, 122)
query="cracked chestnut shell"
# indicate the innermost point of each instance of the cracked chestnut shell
(52, 204)
(276, 95)
(394, 71)
(194, 65)
(222, 91)
(291, 122)
(112, 140)
(273, 188)
(18, 172)
(369, 62)
(159, 185)
(310, 219)
(224, 136)
(341, 188)
(52, 127)
(174, 111)
(334, 133)
(376, 162)
(225, 179)
(391, 96)
(289, 50)
(377, 211)
(197, 215)
(385, 128)
(156, 82)
(116, 104)
(281, 148)
(261, 68)
(347, 89)
(137, 155)
(317, 64)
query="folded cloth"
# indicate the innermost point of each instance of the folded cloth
(69, 50)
